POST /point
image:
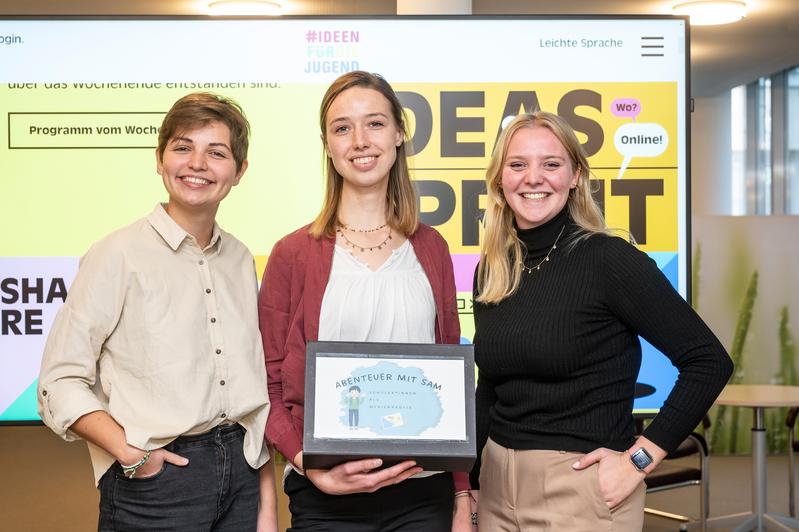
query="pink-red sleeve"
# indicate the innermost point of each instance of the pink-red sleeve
(274, 316)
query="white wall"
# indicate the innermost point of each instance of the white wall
(711, 156)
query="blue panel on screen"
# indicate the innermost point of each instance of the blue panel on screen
(668, 264)
(24, 407)
(657, 370)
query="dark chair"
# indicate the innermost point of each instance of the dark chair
(793, 447)
(668, 475)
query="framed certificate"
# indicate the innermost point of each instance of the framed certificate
(390, 401)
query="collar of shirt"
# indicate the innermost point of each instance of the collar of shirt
(173, 234)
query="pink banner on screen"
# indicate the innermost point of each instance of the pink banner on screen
(464, 266)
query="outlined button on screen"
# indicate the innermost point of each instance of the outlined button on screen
(91, 130)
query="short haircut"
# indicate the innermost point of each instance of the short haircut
(199, 109)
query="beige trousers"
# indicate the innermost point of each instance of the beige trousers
(526, 491)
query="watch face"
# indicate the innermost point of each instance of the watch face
(641, 458)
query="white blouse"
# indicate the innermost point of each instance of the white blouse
(393, 304)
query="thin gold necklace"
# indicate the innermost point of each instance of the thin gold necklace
(529, 269)
(363, 249)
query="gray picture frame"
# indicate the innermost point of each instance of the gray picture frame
(430, 454)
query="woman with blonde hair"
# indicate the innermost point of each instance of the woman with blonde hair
(365, 270)
(559, 305)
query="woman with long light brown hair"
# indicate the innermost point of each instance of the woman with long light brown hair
(364, 270)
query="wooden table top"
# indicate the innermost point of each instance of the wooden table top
(759, 395)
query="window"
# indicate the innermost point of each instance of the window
(762, 169)
(765, 145)
(738, 129)
(792, 142)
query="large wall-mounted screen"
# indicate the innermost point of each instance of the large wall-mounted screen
(82, 99)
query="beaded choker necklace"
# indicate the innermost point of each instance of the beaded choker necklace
(529, 269)
(354, 230)
(363, 249)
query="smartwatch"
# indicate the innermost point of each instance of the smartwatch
(641, 459)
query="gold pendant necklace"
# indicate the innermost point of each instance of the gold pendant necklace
(529, 269)
(363, 249)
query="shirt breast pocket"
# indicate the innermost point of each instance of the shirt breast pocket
(150, 325)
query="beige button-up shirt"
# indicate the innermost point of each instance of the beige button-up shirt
(163, 336)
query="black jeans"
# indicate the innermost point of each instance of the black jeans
(217, 490)
(415, 505)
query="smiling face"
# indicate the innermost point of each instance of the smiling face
(198, 170)
(537, 175)
(361, 138)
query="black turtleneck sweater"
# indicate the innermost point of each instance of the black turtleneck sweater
(558, 359)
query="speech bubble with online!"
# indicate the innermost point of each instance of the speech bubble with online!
(626, 107)
(640, 140)
(507, 120)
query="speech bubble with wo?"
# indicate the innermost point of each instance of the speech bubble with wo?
(626, 107)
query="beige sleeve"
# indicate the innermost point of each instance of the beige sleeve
(69, 363)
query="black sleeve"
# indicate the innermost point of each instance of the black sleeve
(484, 401)
(643, 299)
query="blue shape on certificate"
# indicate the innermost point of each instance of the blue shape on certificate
(385, 399)
(392, 421)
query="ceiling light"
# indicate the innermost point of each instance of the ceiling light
(244, 7)
(711, 12)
